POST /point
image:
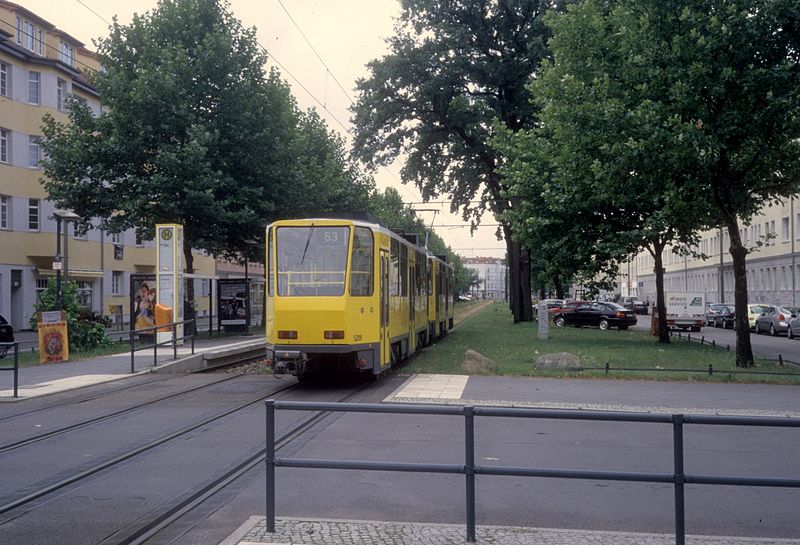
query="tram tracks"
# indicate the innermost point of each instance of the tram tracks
(143, 531)
(29, 498)
(105, 417)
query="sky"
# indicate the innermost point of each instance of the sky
(317, 45)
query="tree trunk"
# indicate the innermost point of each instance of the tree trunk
(744, 350)
(559, 287)
(661, 305)
(526, 300)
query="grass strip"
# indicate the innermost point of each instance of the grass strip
(516, 347)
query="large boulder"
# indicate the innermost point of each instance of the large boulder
(559, 360)
(478, 364)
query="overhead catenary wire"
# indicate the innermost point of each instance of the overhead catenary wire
(93, 11)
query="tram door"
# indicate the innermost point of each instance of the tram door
(385, 348)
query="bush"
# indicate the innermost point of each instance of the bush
(87, 330)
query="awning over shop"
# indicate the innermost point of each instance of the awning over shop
(73, 273)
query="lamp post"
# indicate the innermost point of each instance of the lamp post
(65, 216)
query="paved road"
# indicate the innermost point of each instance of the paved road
(763, 345)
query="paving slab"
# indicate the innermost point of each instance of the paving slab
(298, 531)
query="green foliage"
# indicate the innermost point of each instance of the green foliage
(85, 333)
(194, 132)
(658, 122)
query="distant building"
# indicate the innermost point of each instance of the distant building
(40, 66)
(493, 276)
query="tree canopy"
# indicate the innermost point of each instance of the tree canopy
(664, 119)
(455, 68)
(194, 131)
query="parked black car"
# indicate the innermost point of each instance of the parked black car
(602, 315)
(634, 303)
(6, 335)
(725, 316)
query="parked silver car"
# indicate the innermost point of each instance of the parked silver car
(775, 320)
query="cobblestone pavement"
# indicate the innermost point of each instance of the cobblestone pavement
(297, 531)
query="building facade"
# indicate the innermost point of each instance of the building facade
(773, 267)
(493, 275)
(40, 66)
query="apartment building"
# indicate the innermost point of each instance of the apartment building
(40, 66)
(773, 269)
(493, 276)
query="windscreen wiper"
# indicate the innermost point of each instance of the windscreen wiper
(308, 241)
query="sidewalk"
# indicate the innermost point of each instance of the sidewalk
(296, 531)
(39, 380)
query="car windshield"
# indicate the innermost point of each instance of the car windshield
(615, 306)
(312, 260)
(758, 309)
(789, 310)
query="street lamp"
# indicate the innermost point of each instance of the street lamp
(65, 216)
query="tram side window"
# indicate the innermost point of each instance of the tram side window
(404, 270)
(419, 272)
(270, 269)
(362, 263)
(394, 273)
(430, 277)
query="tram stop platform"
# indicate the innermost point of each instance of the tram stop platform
(44, 379)
(296, 531)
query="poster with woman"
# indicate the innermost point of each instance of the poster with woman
(143, 302)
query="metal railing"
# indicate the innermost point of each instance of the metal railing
(678, 477)
(4, 347)
(160, 329)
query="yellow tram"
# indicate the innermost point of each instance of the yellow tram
(349, 295)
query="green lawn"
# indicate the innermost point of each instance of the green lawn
(515, 348)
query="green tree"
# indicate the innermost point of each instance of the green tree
(605, 155)
(194, 131)
(707, 92)
(454, 69)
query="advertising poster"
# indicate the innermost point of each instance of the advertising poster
(53, 338)
(143, 301)
(233, 302)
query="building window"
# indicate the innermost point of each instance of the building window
(34, 152)
(3, 146)
(67, 54)
(41, 285)
(28, 35)
(40, 44)
(4, 208)
(19, 30)
(116, 238)
(116, 283)
(34, 87)
(61, 95)
(785, 229)
(33, 214)
(84, 294)
(139, 240)
(80, 234)
(4, 71)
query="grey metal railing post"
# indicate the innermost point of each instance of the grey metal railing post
(155, 347)
(680, 478)
(469, 444)
(16, 369)
(131, 337)
(175, 341)
(194, 333)
(270, 459)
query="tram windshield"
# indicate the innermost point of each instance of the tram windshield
(312, 260)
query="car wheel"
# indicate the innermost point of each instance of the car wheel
(772, 330)
(560, 321)
(603, 324)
